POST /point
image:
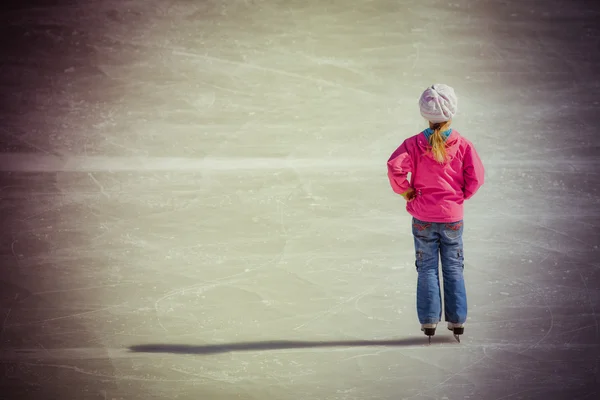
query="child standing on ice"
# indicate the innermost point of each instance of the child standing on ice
(445, 171)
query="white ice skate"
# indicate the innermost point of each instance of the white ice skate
(457, 329)
(429, 330)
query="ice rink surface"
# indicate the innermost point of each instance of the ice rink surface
(194, 200)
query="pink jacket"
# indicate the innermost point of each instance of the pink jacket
(440, 189)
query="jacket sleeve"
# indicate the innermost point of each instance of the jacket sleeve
(473, 172)
(399, 165)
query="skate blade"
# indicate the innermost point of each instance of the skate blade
(457, 337)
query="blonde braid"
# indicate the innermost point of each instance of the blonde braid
(438, 145)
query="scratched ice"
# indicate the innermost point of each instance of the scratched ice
(195, 201)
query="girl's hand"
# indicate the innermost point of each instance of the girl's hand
(409, 195)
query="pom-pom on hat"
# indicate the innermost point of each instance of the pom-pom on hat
(438, 103)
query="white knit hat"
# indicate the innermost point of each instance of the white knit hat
(438, 103)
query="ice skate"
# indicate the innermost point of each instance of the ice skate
(457, 330)
(429, 330)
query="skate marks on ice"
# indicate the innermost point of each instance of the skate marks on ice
(439, 342)
(14, 162)
(36, 162)
(417, 342)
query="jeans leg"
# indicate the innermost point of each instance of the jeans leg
(429, 302)
(451, 251)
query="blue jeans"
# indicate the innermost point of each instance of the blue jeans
(432, 241)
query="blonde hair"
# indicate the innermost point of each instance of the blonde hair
(438, 145)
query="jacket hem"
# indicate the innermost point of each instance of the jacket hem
(437, 220)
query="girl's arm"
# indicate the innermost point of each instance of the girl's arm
(399, 165)
(473, 172)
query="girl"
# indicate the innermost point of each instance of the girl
(445, 171)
